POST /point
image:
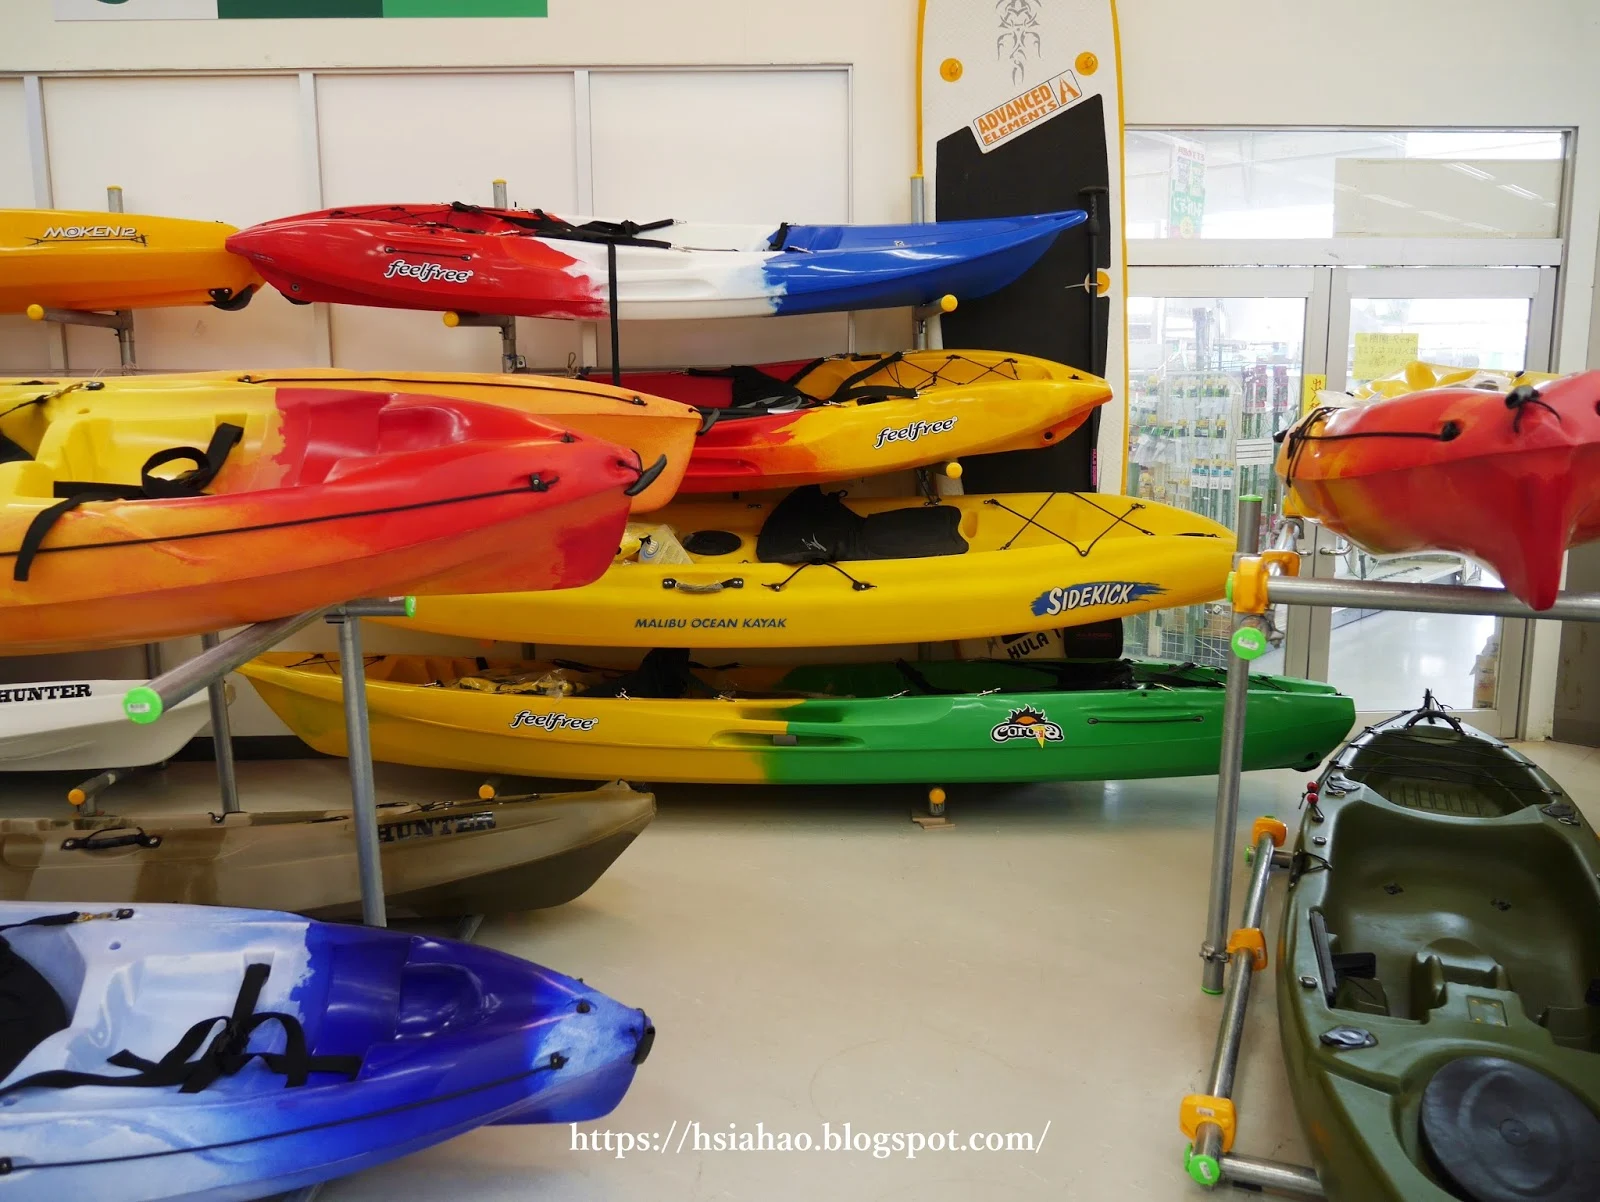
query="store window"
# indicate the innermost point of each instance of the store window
(1325, 184)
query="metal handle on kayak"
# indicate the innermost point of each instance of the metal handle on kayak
(1146, 719)
(135, 838)
(647, 477)
(715, 586)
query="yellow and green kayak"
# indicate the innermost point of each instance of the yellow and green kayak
(815, 570)
(66, 259)
(873, 723)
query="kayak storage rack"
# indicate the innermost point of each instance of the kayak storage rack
(1262, 578)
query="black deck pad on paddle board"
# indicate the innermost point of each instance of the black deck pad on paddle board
(1047, 312)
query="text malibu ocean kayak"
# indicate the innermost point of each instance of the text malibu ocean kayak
(941, 721)
(197, 1054)
(533, 264)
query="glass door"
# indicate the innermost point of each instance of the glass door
(1215, 364)
(1379, 317)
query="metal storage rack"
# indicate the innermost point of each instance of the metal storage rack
(1231, 959)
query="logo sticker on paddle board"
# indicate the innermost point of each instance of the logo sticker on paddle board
(1086, 596)
(913, 432)
(45, 692)
(1039, 103)
(552, 722)
(1027, 723)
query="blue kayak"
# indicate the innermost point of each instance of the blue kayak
(159, 1053)
(530, 263)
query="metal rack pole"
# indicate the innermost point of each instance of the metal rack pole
(363, 792)
(148, 702)
(1429, 598)
(1228, 772)
(1269, 1174)
(222, 734)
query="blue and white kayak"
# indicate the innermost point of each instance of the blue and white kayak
(165, 1053)
(464, 258)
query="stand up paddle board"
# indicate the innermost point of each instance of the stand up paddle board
(1020, 112)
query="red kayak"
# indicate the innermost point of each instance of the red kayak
(297, 498)
(1511, 479)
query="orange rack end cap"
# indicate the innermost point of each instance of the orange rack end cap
(1250, 939)
(1269, 826)
(1198, 1109)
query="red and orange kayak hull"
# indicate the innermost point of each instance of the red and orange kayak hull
(331, 494)
(1512, 480)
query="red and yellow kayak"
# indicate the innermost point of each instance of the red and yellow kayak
(782, 425)
(294, 498)
(65, 259)
(1511, 479)
(654, 428)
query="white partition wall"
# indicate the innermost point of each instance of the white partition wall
(418, 137)
(762, 146)
(219, 147)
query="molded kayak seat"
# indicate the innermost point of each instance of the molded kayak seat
(1446, 962)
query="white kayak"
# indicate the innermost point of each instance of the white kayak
(71, 725)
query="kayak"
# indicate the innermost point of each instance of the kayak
(651, 427)
(71, 725)
(781, 425)
(295, 498)
(1438, 974)
(440, 860)
(949, 721)
(83, 260)
(190, 1054)
(1511, 479)
(814, 570)
(462, 258)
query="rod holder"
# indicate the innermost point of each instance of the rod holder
(147, 702)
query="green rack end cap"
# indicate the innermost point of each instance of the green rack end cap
(1204, 1169)
(1249, 643)
(1250, 496)
(1228, 590)
(1249, 856)
(142, 705)
(411, 607)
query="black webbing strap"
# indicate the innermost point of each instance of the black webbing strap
(779, 237)
(228, 1053)
(617, 233)
(843, 392)
(78, 492)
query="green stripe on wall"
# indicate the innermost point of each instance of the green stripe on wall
(465, 8)
(256, 9)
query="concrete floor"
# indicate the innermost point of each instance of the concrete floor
(813, 957)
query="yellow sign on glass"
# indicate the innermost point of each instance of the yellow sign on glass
(1383, 354)
(1308, 392)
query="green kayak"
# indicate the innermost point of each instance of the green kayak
(929, 723)
(1439, 973)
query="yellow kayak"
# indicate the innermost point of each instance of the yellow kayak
(64, 259)
(649, 425)
(816, 571)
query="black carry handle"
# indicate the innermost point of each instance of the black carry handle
(93, 842)
(647, 477)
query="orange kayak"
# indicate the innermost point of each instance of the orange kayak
(67, 259)
(293, 498)
(1511, 479)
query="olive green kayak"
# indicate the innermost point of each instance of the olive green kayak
(1439, 973)
(440, 860)
(935, 722)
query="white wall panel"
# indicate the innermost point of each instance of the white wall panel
(225, 148)
(759, 146)
(424, 138)
(23, 344)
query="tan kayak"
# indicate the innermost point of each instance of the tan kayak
(440, 860)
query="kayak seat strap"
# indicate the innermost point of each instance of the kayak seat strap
(74, 493)
(227, 1054)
